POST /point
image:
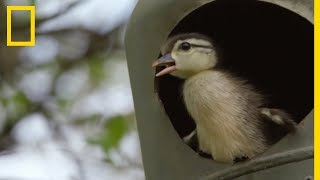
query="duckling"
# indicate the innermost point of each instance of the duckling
(232, 122)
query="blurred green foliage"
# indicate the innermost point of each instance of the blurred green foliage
(97, 71)
(33, 2)
(108, 132)
(17, 105)
(114, 130)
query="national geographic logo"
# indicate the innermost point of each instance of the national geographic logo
(31, 42)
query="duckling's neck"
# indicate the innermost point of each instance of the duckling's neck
(186, 74)
(183, 74)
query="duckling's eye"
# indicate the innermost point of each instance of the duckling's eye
(185, 46)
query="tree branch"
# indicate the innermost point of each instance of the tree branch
(61, 12)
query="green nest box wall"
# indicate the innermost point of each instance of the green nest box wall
(274, 41)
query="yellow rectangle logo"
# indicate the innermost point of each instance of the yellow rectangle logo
(32, 25)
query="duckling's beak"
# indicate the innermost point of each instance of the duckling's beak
(167, 61)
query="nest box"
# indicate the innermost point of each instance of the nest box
(271, 44)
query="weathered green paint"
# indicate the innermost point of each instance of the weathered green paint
(165, 156)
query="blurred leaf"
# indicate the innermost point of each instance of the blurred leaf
(32, 2)
(17, 106)
(63, 104)
(114, 130)
(96, 70)
(92, 119)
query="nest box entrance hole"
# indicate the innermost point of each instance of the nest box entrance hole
(268, 45)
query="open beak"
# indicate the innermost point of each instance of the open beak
(167, 61)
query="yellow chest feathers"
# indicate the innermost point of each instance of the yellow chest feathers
(226, 113)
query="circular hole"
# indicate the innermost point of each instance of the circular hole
(308, 178)
(265, 44)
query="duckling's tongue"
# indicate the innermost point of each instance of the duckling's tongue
(166, 70)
